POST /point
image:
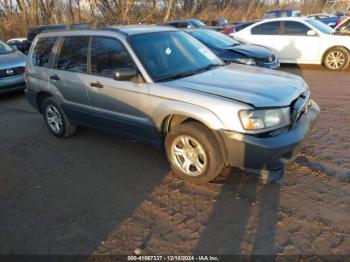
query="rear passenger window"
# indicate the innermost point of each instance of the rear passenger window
(107, 56)
(73, 54)
(295, 28)
(271, 28)
(42, 51)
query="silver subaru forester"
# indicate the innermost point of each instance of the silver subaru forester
(161, 86)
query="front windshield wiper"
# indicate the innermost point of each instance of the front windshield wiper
(189, 73)
(176, 76)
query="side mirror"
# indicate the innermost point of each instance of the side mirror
(125, 74)
(311, 33)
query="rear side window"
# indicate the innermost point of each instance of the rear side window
(295, 28)
(42, 51)
(107, 56)
(271, 28)
(73, 54)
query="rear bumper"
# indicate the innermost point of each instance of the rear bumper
(271, 153)
(32, 98)
(12, 84)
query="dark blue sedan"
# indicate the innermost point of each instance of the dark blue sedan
(232, 51)
(328, 19)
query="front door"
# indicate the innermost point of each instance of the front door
(119, 106)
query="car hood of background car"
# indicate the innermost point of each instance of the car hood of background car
(13, 59)
(343, 23)
(254, 51)
(252, 85)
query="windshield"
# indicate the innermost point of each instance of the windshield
(4, 48)
(320, 26)
(174, 54)
(213, 39)
(197, 23)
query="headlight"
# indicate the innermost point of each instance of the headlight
(265, 119)
(246, 61)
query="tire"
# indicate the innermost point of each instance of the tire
(55, 119)
(336, 59)
(195, 143)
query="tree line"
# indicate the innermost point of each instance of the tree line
(17, 15)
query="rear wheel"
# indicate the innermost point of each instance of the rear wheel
(336, 59)
(194, 152)
(56, 119)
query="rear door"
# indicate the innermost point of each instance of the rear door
(68, 76)
(119, 106)
(268, 35)
(39, 64)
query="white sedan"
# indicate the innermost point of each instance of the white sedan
(300, 41)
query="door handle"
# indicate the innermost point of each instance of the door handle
(97, 85)
(54, 77)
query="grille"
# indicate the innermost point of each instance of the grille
(8, 72)
(300, 106)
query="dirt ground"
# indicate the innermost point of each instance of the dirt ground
(96, 193)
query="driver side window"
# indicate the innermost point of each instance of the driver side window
(108, 55)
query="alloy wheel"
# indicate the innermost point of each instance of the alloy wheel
(54, 119)
(335, 60)
(189, 155)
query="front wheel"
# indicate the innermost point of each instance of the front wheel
(336, 59)
(194, 152)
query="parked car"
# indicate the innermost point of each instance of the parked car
(300, 41)
(343, 13)
(18, 43)
(34, 31)
(12, 64)
(218, 22)
(282, 13)
(239, 26)
(232, 51)
(328, 19)
(162, 86)
(226, 27)
(190, 23)
(343, 28)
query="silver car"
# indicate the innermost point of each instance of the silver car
(12, 65)
(163, 87)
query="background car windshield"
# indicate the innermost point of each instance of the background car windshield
(197, 23)
(4, 48)
(214, 39)
(320, 26)
(169, 53)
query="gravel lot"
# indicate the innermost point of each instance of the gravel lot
(96, 193)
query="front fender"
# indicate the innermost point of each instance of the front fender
(168, 108)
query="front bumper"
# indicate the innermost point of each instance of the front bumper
(274, 65)
(270, 153)
(12, 84)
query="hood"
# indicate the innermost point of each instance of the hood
(13, 59)
(253, 51)
(343, 27)
(343, 23)
(252, 85)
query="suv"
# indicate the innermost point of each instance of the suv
(162, 86)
